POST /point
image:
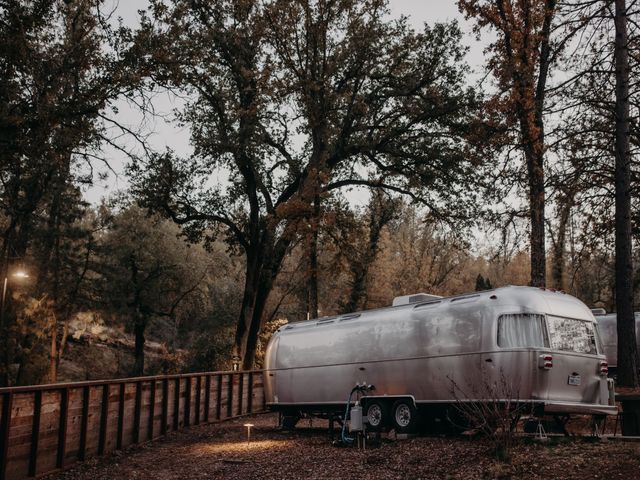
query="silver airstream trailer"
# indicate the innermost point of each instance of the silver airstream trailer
(544, 343)
(608, 328)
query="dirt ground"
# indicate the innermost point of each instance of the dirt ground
(221, 451)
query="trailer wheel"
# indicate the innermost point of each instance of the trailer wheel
(377, 415)
(404, 416)
(289, 421)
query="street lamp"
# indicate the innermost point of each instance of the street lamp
(16, 274)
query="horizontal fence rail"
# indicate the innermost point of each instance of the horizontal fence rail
(45, 428)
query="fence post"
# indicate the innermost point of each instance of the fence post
(86, 392)
(240, 392)
(230, 396)
(207, 397)
(176, 406)
(219, 397)
(250, 394)
(5, 429)
(62, 427)
(136, 413)
(187, 402)
(121, 400)
(165, 405)
(152, 409)
(35, 433)
(198, 393)
(104, 413)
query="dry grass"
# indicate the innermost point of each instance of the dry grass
(221, 451)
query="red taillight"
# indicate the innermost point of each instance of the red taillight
(545, 361)
(604, 368)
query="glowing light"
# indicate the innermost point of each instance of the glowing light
(248, 425)
(21, 274)
(239, 449)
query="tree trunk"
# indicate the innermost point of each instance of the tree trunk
(252, 274)
(360, 269)
(50, 240)
(138, 367)
(534, 154)
(62, 345)
(53, 354)
(256, 294)
(532, 133)
(312, 285)
(627, 347)
(382, 211)
(262, 293)
(358, 288)
(557, 271)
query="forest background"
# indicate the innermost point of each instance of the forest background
(338, 156)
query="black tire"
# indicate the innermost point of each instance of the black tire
(531, 425)
(404, 416)
(289, 421)
(377, 414)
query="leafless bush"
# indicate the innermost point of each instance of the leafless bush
(490, 405)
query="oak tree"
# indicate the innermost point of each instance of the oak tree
(292, 99)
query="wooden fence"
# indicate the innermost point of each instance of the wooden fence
(49, 427)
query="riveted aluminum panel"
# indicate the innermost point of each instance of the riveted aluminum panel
(426, 349)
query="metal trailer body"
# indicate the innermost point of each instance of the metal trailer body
(420, 350)
(608, 327)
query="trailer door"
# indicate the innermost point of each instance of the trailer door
(574, 376)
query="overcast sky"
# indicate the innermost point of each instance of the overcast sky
(166, 134)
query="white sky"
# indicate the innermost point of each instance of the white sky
(165, 134)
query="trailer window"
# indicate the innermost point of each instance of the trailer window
(521, 330)
(572, 335)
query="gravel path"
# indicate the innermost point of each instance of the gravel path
(221, 452)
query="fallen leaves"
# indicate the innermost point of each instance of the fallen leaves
(221, 451)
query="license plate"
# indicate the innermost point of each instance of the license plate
(574, 379)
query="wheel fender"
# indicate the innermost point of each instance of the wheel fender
(389, 399)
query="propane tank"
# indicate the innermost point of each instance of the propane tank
(355, 419)
(611, 386)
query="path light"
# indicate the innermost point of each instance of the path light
(248, 425)
(236, 363)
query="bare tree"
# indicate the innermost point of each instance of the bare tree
(382, 210)
(522, 57)
(490, 406)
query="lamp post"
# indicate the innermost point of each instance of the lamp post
(4, 294)
(248, 425)
(18, 274)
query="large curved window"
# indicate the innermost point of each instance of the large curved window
(521, 330)
(572, 335)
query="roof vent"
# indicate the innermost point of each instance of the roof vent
(414, 298)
